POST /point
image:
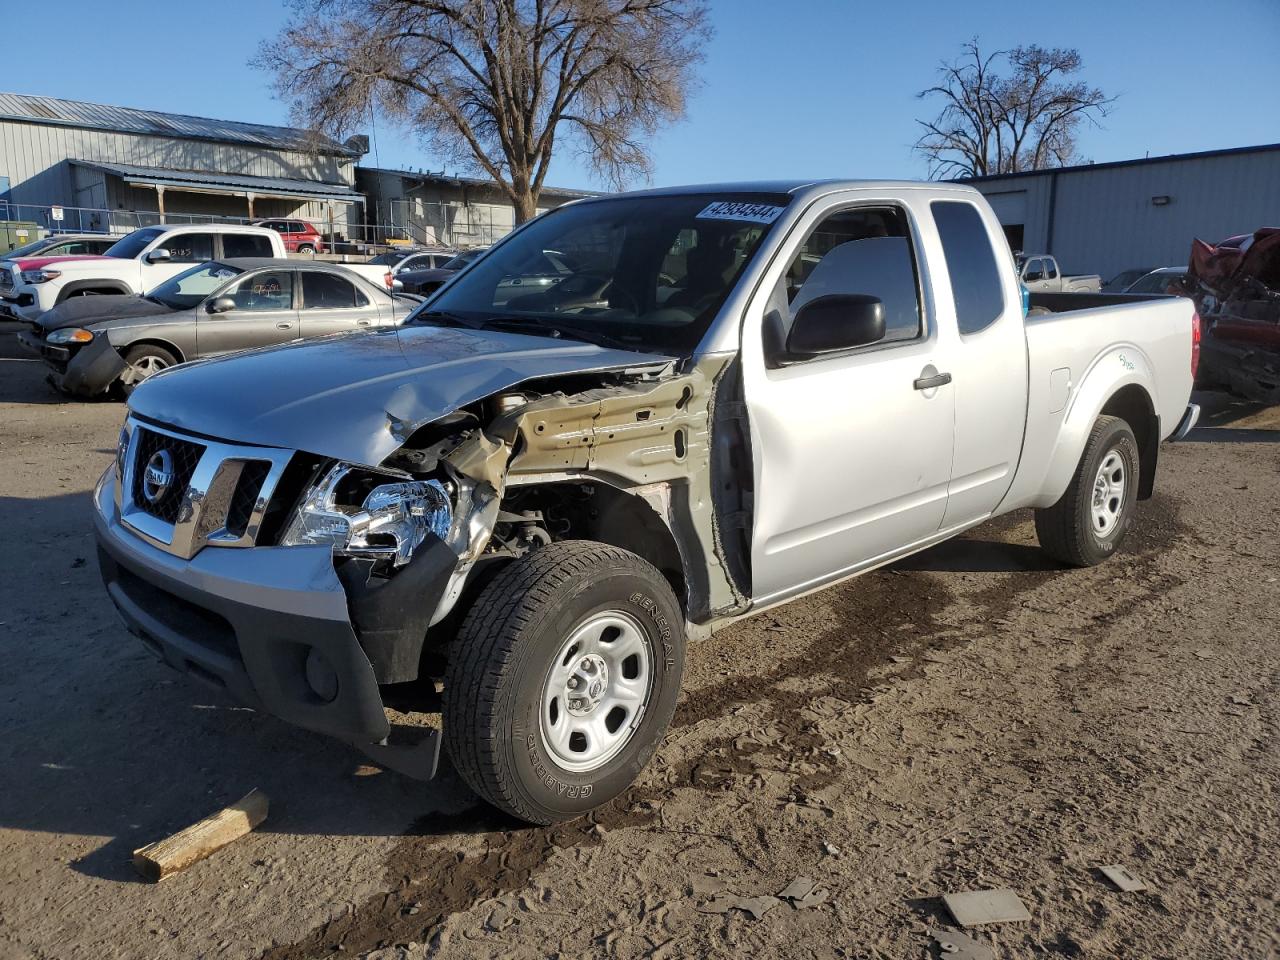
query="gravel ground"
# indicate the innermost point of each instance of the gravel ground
(972, 717)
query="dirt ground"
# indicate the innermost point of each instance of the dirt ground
(973, 717)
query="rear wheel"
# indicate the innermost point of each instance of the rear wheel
(306, 248)
(144, 361)
(1093, 516)
(563, 680)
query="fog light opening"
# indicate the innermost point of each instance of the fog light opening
(321, 677)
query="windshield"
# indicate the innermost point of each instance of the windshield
(1156, 282)
(27, 249)
(647, 271)
(461, 260)
(130, 246)
(191, 288)
(388, 259)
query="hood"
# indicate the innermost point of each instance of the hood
(359, 397)
(36, 263)
(102, 310)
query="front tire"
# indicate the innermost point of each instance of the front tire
(1091, 519)
(146, 359)
(563, 680)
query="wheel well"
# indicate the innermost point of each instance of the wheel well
(1133, 405)
(153, 342)
(597, 511)
(91, 287)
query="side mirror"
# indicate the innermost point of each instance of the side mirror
(159, 255)
(221, 305)
(835, 322)
(397, 284)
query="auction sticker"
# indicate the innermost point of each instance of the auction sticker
(736, 210)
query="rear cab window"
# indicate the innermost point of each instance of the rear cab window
(246, 245)
(974, 272)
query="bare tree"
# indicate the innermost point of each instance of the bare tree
(1022, 117)
(492, 84)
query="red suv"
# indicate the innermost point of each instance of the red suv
(298, 235)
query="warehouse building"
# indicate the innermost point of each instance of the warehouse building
(432, 208)
(1107, 217)
(95, 167)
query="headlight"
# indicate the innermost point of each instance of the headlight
(359, 516)
(69, 335)
(40, 276)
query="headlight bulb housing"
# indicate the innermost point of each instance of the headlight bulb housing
(390, 521)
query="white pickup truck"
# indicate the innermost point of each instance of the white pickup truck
(1040, 274)
(135, 264)
(739, 395)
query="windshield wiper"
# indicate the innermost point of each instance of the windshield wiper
(555, 328)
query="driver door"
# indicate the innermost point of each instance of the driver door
(265, 313)
(852, 454)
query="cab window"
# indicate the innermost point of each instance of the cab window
(189, 247)
(246, 245)
(866, 250)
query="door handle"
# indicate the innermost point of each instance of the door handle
(928, 383)
(284, 325)
(362, 323)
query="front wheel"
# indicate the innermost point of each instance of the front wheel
(563, 680)
(144, 361)
(1091, 518)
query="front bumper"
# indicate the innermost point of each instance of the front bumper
(85, 371)
(270, 625)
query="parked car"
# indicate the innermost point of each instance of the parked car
(1158, 281)
(93, 344)
(538, 506)
(425, 281)
(46, 248)
(136, 262)
(404, 260)
(1236, 287)
(1040, 274)
(1124, 278)
(299, 236)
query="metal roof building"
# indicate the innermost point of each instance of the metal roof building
(117, 160)
(1107, 217)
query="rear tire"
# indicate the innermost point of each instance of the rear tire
(146, 359)
(306, 248)
(1093, 516)
(563, 680)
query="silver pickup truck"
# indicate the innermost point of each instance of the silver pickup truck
(514, 511)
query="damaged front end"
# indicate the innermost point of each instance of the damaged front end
(358, 573)
(1236, 289)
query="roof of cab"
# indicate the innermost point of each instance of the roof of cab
(792, 187)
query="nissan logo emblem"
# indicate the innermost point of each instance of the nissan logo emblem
(157, 478)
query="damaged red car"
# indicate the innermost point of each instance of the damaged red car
(1236, 288)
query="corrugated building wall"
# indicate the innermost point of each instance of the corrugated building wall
(1107, 217)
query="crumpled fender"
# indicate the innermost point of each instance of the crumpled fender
(93, 369)
(1112, 370)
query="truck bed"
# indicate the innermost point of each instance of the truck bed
(1070, 338)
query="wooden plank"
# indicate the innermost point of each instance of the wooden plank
(164, 858)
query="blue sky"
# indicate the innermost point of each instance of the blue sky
(792, 88)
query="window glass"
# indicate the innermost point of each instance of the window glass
(387, 259)
(189, 247)
(193, 286)
(269, 290)
(326, 291)
(131, 245)
(246, 245)
(971, 264)
(861, 251)
(1050, 268)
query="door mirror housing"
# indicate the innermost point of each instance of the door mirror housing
(834, 323)
(221, 305)
(159, 255)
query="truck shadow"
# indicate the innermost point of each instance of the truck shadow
(105, 741)
(985, 549)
